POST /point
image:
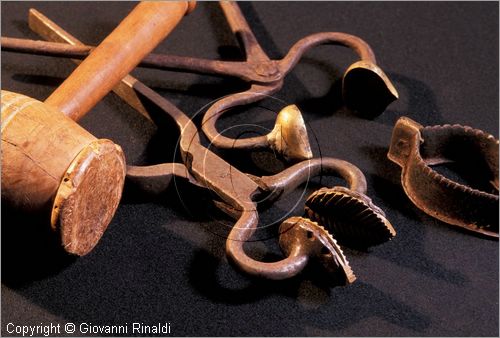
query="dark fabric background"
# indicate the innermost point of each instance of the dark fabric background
(162, 261)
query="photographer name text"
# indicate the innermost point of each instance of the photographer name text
(86, 328)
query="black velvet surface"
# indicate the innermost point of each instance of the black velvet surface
(162, 259)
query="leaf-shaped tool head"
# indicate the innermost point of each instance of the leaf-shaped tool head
(367, 90)
(300, 235)
(350, 216)
(289, 135)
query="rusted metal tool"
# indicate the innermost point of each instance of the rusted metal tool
(51, 165)
(416, 148)
(301, 239)
(366, 88)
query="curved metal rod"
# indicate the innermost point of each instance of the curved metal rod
(290, 178)
(254, 94)
(285, 182)
(257, 92)
(358, 45)
(241, 232)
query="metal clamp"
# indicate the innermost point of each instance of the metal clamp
(415, 148)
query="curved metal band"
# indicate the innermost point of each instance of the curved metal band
(415, 147)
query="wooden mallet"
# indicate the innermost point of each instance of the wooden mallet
(50, 164)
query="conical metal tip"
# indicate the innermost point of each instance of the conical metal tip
(289, 135)
(367, 90)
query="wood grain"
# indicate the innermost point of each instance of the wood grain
(120, 52)
(38, 144)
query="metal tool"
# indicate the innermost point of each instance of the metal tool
(366, 88)
(238, 191)
(416, 148)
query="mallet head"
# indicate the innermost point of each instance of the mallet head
(52, 165)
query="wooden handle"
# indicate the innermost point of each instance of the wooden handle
(135, 37)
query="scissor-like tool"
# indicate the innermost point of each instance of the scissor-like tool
(366, 88)
(348, 212)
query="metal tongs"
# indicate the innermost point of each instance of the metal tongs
(348, 211)
(366, 88)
